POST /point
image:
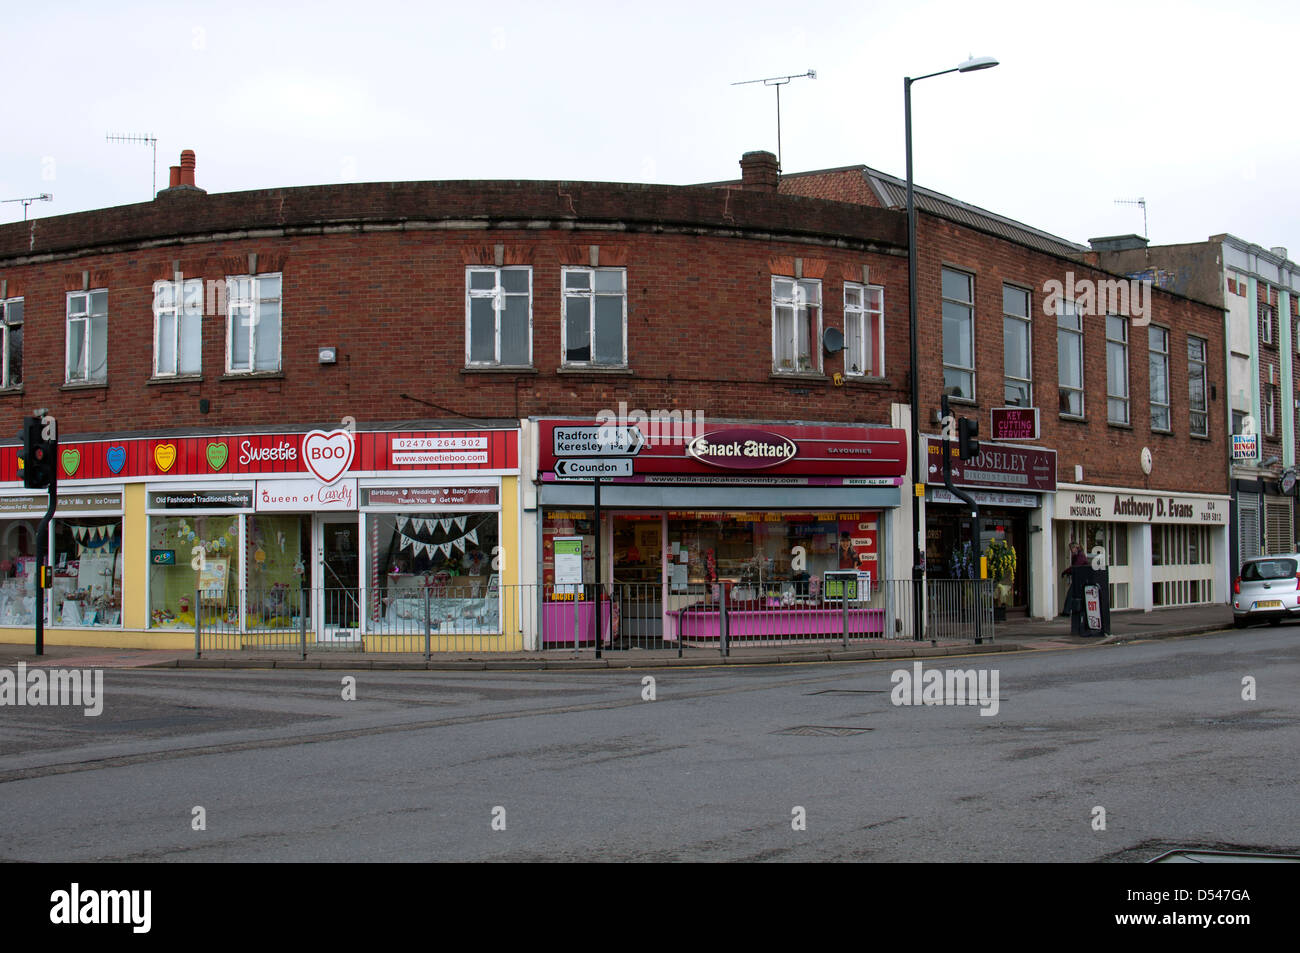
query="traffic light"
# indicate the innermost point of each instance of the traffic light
(36, 455)
(967, 448)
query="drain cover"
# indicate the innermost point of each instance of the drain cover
(820, 730)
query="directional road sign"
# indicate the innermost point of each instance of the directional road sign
(597, 441)
(591, 468)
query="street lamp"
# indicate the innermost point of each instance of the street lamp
(918, 560)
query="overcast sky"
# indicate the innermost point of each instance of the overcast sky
(1190, 105)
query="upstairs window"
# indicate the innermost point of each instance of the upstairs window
(253, 328)
(796, 325)
(864, 330)
(958, 334)
(178, 327)
(87, 351)
(1016, 348)
(1069, 358)
(1116, 369)
(595, 317)
(498, 317)
(1158, 362)
(11, 349)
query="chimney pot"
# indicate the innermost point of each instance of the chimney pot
(759, 172)
(187, 167)
(175, 177)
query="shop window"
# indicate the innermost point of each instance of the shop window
(195, 567)
(796, 325)
(958, 334)
(178, 327)
(1158, 362)
(11, 348)
(864, 330)
(1069, 358)
(498, 317)
(277, 552)
(595, 317)
(18, 572)
(1197, 359)
(448, 557)
(253, 326)
(87, 583)
(1016, 348)
(568, 523)
(87, 337)
(782, 556)
(1116, 369)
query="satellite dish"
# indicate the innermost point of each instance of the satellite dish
(833, 340)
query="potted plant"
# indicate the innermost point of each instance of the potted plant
(1001, 557)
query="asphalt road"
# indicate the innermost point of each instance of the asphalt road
(577, 766)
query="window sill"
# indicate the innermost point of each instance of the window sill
(176, 379)
(595, 369)
(17, 389)
(1118, 425)
(798, 376)
(1162, 433)
(1071, 418)
(252, 376)
(498, 369)
(86, 385)
(1196, 436)
(865, 380)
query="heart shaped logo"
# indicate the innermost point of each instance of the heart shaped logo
(116, 458)
(164, 455)
(217, 454)
(328, 455)
(71, 460)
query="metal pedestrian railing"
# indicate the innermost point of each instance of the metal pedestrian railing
(696, 619)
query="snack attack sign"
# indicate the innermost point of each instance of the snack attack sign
(734, 451)
(322, 456)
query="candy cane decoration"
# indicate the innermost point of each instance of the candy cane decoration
(374, 567)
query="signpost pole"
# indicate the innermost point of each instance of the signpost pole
(42, 559)
(599, 584)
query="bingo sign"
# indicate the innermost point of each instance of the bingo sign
(1245, 446)
(1014, 423)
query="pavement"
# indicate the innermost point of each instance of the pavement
(1012, 636)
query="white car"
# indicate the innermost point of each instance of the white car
(1268, 590)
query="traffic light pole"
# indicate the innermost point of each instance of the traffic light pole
(975, 517)
(42, 567)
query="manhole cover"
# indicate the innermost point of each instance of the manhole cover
(820, 730)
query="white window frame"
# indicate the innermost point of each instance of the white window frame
(84, 318)
(969, 305)
(1203, 363)
(188, 302)
(255, 302)
(1265, 312)
(1068, 309)
(7, 323)
(1117, 391)
(1161, 354)
(800, 302)
(590, 294)
(1027, 321)
(498, 295)
(869, 312)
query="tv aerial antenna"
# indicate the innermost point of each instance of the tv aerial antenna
(43, 197)
(144, 140)
(778, 82)
(1142, 202)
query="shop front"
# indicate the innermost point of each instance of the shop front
(361, 538)
(1161, 549)
(698, 524)
(1009, 483)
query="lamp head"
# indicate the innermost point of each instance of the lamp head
(977, 63)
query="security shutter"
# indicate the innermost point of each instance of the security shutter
(1277, 528)
(1248, 527)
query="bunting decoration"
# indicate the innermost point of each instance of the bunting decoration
(418, 524)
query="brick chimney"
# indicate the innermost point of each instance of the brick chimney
(182, 177)
(758, 172)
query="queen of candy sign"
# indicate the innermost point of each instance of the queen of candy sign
(328, 455)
